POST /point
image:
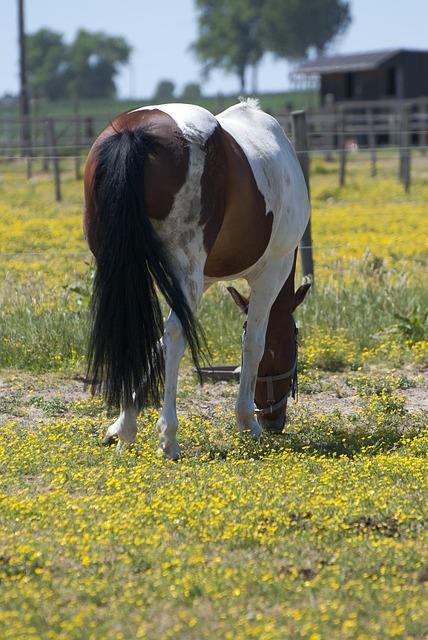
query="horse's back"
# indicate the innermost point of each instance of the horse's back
(275, 167)
(233, 182)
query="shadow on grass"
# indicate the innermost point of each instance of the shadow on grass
(330, 440)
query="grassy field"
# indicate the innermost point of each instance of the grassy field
(320, 533)
(93, 115)
(274, 102)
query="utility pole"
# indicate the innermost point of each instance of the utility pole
(24, 104)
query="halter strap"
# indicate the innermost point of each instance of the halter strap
(273, 406)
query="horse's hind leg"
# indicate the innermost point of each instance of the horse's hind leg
(190, 273)
(125, 427)
(174, 345)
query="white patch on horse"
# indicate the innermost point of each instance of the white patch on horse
(275, 168)
(196, 123)
(181, 232)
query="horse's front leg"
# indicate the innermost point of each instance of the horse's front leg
(174, 344)
(264, 292)
(252, 352)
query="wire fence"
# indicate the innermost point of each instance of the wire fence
(366, 124)
(404, 162)
(52, 255)
(394, 135)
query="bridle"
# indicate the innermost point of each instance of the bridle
(272, 405)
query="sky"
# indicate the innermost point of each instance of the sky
(161, 31)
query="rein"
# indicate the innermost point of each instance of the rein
(273, 406)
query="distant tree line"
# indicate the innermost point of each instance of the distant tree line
(234, 35)
(86, 68)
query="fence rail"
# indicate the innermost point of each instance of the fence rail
(363, 124)
(334, 128)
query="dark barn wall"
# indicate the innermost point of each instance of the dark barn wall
(363, 85)
(404, 75)
(415, 73)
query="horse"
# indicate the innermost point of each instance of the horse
(176, 199)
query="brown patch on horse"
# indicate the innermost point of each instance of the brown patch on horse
(213, 188)
(230, 197)
(165, 170)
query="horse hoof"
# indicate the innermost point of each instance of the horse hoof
(274, 430)
(122, 445)
(109, 440)
(170, 450)
(255, 431)
(272, 425)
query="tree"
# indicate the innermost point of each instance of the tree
(47, 62)
(235, 34)
(84, 69)
(230, 36)
(94, 59)
(164, 91)
(191, 92)
(291, 28)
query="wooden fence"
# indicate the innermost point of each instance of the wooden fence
(364, 124)
(335, 128)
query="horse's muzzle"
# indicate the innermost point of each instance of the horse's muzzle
(272, 425)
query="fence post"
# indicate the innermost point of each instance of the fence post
(77, 147)
(405, 147)
(300, 134)
(46, 149)
(342, 144)
(422, 138)
(55, 161)
(9, 139)
(372, 142)
(26, 150)
(330, 126)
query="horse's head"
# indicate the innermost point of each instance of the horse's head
(277, 374)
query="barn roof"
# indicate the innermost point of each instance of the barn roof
(348, 62)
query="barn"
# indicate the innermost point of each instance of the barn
(393, 73)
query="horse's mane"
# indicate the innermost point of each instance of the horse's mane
(252, 102)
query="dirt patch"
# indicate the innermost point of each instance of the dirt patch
(417, 398)
(27, 400)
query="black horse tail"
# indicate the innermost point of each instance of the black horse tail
(126, 323)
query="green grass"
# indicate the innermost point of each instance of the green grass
(284, 538)
(275, 102)
(370, 284)
(318, 533)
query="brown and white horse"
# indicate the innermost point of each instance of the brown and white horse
(175, 200)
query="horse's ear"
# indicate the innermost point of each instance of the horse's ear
(300, 294)
(240, 300)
